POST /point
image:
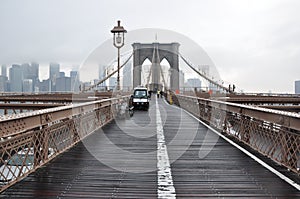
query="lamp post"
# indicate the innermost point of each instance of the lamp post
(118, 41)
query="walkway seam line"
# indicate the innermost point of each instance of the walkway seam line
(165, 187)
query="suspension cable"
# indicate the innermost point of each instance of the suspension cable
(108, 76)
(205, 77)
(148, 78)
(150, 72)
(161, 72)
(160, 68)
(163, 78)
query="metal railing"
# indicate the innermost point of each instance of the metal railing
(275, 134)
(29, 140)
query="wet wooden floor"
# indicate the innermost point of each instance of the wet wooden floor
(120, 161)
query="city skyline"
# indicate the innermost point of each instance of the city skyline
(101, 72)
(25, 77)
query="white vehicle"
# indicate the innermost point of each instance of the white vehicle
(140, 98)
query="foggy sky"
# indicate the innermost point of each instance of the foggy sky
(254, 44)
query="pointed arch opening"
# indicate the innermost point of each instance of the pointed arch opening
(165, 73)
(145, 71)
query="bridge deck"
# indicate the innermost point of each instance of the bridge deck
(120, 161)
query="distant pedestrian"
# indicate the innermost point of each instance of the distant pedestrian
(158, 92)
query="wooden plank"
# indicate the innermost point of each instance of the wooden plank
(225, 172)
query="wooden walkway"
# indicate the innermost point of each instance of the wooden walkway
(127, 159)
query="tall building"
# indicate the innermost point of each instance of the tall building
(75, 83)
(34, 75)
(44, 86)
(35, 69)
(112, 83)
(27, 85)
(3, 79)
(101, 71)
(194, 83)
(16, 78)
(31, 72)
(53, 74)
(54, 70)
(63, 84)
(127, 77)
(102, 75)
(3, 83)
(297, 87)
(74, 74)
(4, 70)
(25, 70)
(62, 74)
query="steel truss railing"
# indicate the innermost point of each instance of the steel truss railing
(39, 136)
(275, 134)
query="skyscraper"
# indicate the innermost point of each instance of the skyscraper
(54, 70)
(194, 83)
(297, 87)
(16, 78)
(63, 84)
(44, 86)
(35, 69)
(27, 85)
(102, 75)
(34, 75)
(112, 83)
(74, 75)
(62, 74)
(101, 71)
(3, 79)
(26, 74)
(25, 70)
(53, 74)
(3, 83)
(127, 77)
(4, 70)
(31, 72)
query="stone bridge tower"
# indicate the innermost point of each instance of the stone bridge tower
(169, 51)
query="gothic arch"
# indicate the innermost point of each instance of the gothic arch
(169, 51)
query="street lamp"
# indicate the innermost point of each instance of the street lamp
(118, 40)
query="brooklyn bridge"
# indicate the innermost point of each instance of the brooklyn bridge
(202, 143)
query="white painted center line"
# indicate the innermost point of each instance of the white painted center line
(165, 188)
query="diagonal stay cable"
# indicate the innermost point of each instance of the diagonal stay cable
(108, 76)
(150, 72)
(161, 72)
(205, 77)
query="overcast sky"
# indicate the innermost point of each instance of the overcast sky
(254, 44)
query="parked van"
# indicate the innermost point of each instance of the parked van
(140, 98)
